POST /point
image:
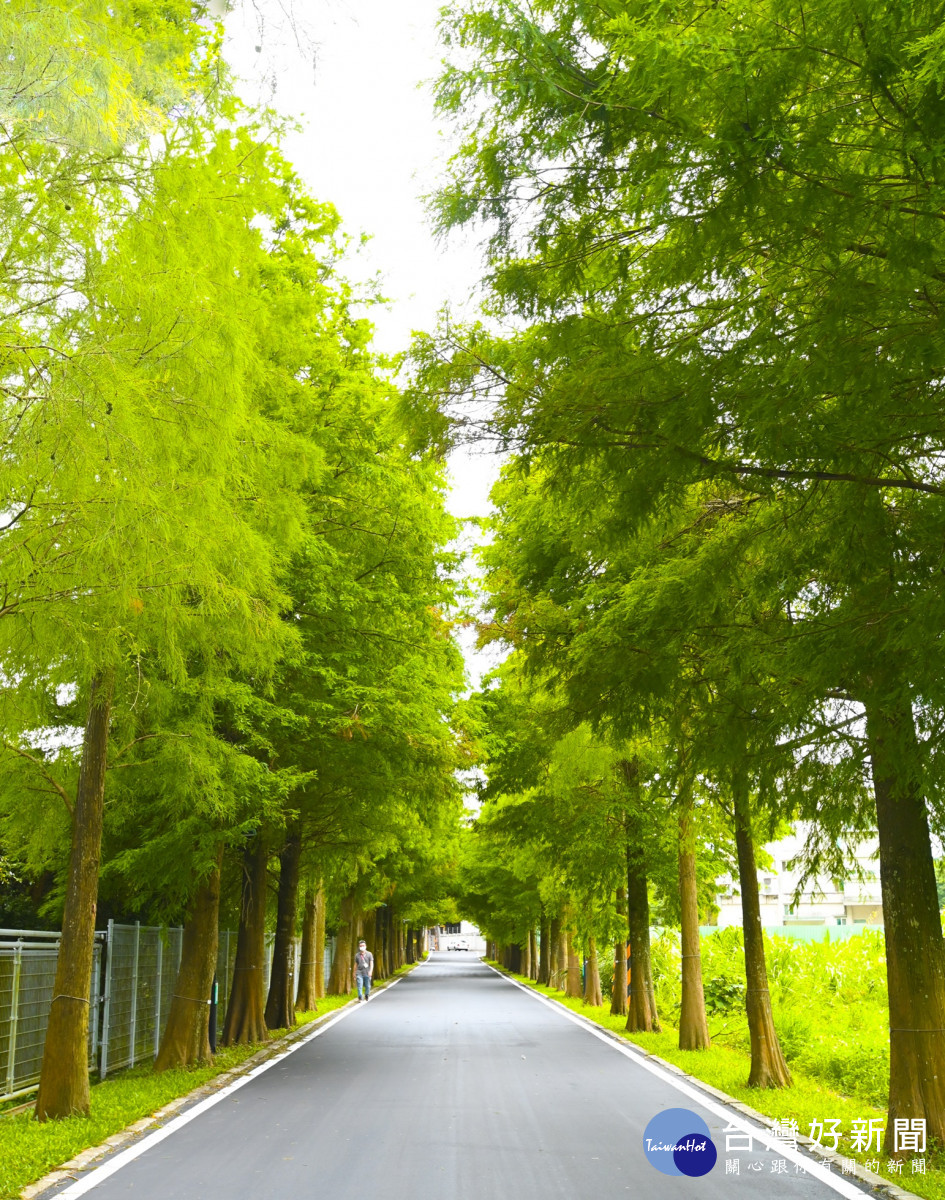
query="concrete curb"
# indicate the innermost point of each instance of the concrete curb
(877, 1183)
(67, 1172)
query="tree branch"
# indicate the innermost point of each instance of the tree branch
(40, 766)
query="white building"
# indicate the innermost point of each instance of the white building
(858, 903)
(447, 935)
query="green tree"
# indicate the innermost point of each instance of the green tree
(731, 277)
(161, 352)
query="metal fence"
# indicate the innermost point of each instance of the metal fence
(27, 974)
(133, 977)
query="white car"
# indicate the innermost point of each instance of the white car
(459, 944)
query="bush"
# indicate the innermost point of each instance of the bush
(723, 994)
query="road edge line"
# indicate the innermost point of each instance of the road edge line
(714, 1104)
(115, 1163)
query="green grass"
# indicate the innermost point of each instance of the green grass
(828, 999)
(726, 1068)
(29, 1150)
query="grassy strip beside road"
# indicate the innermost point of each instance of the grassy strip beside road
(726, 1068)
(29, 1150)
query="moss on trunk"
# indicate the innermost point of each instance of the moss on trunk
(693, 1024)
(768, 1068)
(245, 1019)
(592, 992)
(185, 1041)
(307, 998)
(641, 1008)
(555, 965)
(544, 950)
(915, 956)
(573, 986)
(64, 1074)
(320, 942)
(280, 1003)
(341, 980)
(618, 991)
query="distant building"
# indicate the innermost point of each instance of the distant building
(445, 935)
(858, 903)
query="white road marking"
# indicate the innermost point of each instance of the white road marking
(100, 1174)
(811, 1166)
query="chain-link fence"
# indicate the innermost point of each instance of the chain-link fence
(133, 978)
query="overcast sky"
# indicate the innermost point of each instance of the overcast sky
(352, 73)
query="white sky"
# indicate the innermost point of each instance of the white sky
(371, 146)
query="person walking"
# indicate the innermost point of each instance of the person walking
(363, 971)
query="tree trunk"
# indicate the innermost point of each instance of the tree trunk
(527, 955)
(544, 950)
(307, 999)
(245, 1021)
(377, 945)
(185, 1041)
(64, 1075)
(641, 1009)
(693, 1024)
(532, 955)
(573, 983)
(388, 942)
(320, 942)
(768, 1068)
(618, 993)
(915, 957)
(555, 966)
(563, 943)
(592, 992)
(411, 955)
(342, 969)
(280, 1003)
(380, 937)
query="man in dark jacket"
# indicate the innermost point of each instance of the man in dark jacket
(363, 971)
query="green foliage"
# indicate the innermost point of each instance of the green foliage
(94, 74)
(723, 515)
(212, 494)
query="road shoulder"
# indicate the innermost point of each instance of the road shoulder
(879, 1185)
(94, 1157)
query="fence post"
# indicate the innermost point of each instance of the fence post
(14, 1014)
(94, 1013)
(157, 994)
(107, 1007)
(134, 993)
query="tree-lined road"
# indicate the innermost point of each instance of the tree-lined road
(453, 1084)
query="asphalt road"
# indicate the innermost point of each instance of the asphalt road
(451, 1085)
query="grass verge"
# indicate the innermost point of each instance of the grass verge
(28, 1150)
(726, 1068)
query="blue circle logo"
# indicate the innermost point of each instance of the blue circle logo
(677, 1142)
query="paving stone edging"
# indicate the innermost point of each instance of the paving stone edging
(880, 1185)
(69, 1171)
